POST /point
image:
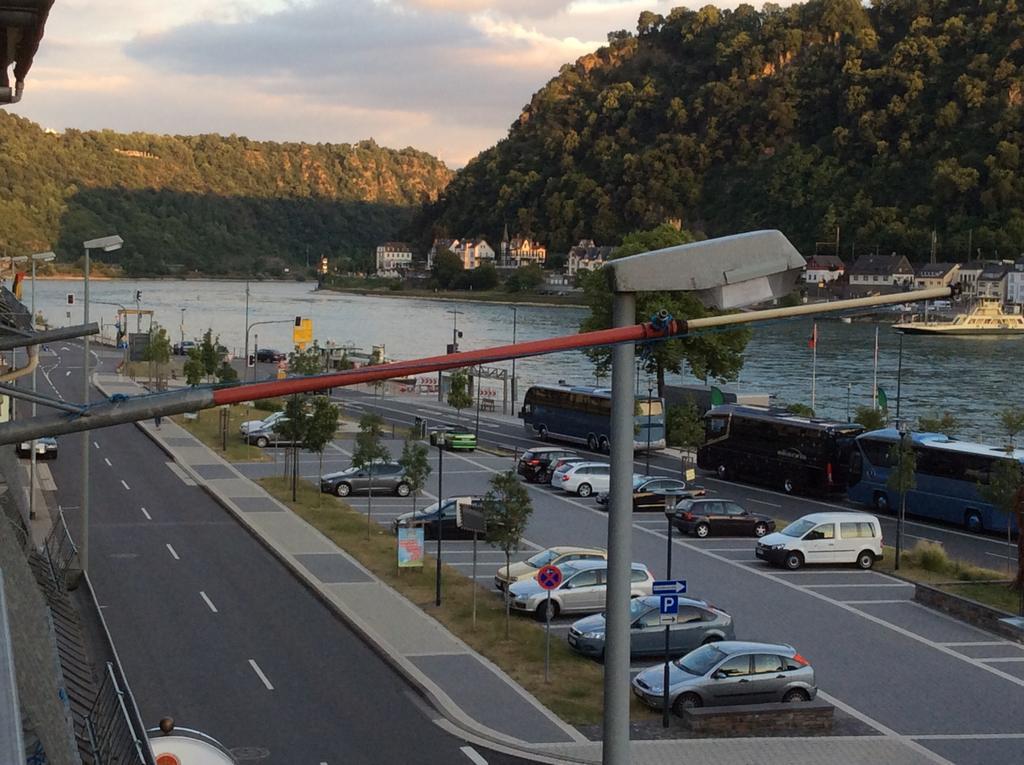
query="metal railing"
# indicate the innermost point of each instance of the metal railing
(60, 551)
(12, 747)
(109, 729)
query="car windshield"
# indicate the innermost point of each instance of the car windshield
(798, 528)
(543, 558)
(637, 608)
(639, 479)
(701, 661)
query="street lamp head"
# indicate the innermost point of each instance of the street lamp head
(43, 257)
(903, 426)
(104, 243)
(724, 273)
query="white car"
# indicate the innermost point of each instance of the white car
(583, 589)
(584, 478)
(252, 425)
(844, 537)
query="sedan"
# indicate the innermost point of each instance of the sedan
(429, 520)
(696, 623)
(553, 556)
(730, 672)
(270, 355)
(384, 476)
(703, 517)
(649, 493)
(46, 448)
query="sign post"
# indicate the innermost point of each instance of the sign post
(471, 517)
(549, 578)
(669, 590)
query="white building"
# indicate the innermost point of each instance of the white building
(993, 282)
(967, 278)
(393, 259)
(1015, 283)
(823, 268)
(473, 252)
(586, 256)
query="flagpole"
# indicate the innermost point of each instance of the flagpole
(874, 383)
(814, 363)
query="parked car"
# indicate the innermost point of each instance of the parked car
(46, 448)
(729, 672)
(583, 589)
(843, 537)
(583, 478)
(182, 348)
(453, 439)
(267, 422)
(703, 517)
(270, 355)
(535, 464)
(650, 493)
(383, 476)
(696, 623)
(562, 464)
(267, 436)
(428, 519)
(555, 473)
(553, 556)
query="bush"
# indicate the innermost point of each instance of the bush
(931, 556)
(268, 405)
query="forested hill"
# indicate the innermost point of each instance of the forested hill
(219, 205)
(888, 121)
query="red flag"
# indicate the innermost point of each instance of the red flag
(19, 278)
(812, 343)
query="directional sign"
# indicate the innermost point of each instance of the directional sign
(669, 587)
(669, 608)
(549, 577)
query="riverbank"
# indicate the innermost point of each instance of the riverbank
(449, 296)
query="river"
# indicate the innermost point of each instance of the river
(974, 378)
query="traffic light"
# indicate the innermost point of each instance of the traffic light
(250, 360)
(138, 296)
(71, 298)
(298, 321)
(323, 264)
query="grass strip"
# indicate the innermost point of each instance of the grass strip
(207, 428)
(576, 688)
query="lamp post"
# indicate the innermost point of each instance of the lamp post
(453, 348)
(104, 244)
(899, 377)
(440, 526)
(515, 316)
(181, 326)
(650, 390)
(670, 505)
(904, 432)
(248, 327)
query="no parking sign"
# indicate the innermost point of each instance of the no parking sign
(549, 577)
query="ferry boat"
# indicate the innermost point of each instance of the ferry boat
(985, 318)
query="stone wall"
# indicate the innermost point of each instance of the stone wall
(968, 610)
(761, 719)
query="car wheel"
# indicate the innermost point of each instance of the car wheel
(686, 701)
(342, 489)
(546, 611)
(865, 559)
(702, 530)
(794, 560)
(263, 442)
(592, 443)
(881, 501)
(542, 433)
(788, 486)
(403, 490)
(795, 695)
(972, 520)
(723, 472)
(760, 529)
(604, 446)
(584, 490)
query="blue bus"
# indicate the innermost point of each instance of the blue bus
(583, 415)
(949, 474)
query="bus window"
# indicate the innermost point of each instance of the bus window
(652, 407)
(717, 427)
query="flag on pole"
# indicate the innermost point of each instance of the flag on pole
(812, 343)
(717, 397)
(883, 400)
(19, 280)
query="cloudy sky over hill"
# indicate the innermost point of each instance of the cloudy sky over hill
(445, 76)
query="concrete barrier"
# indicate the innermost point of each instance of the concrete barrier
(970, 611)
(761, 719)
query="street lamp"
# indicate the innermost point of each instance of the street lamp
(103, 244)
(904, 430)
(182, 328)
(257, 324)
(724, 273)
(515, 316)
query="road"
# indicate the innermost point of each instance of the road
(212, 630)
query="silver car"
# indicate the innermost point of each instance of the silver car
(385, 476)
(696, 623)
(730, 672)
(583, 589)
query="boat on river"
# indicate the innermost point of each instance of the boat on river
(986, 318)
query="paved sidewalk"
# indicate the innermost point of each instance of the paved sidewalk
(474, 696)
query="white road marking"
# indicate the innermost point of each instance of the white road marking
(68, 373)
(1002, 557)
(968, 736)
(108, 462)
(94, 443)
(473, 755)
(209, 602)
(172, 552)
(126, 486)
(1002, 659)
(730, 549)
(870, 602)
(859, 585)
(146, 513)
(762, 502)
(259, 672)
(982, 642)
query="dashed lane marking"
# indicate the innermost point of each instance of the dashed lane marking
(146, 513)
(126, 486)
(108, 462)
(172, 552)
(259, 673)
(473, 755)
(762, 502)
(209, 602)
(94, 443)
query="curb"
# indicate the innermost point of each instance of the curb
(469, 728)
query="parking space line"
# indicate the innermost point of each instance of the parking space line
(870, 602)
(857, 585)
(983, 642)
(1002, 659)
(209, 602)
(172, 552)
(146, 513)
(126, 486)
(762, 502)
(259, 673)
(108, 462)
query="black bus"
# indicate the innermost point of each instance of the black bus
(776, 448)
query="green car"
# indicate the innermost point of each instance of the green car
(453, 440)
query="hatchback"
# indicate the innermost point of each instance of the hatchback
(553, 556)
(730, 672)
(696, 623)
(250, 425)
(535, 464)
(584, 478)
(703, 517)
(583, 589)
(429, 518)
(384, 476)
(651, 492)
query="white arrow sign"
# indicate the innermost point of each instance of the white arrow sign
(669, 587)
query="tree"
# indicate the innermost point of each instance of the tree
(305, 362)
(193, 369)
(226, 373)
(209, 354)
(869, 417)
(902, 478)
(370, 450)
(684, 425)
(321, 427)
(1005, 490)
(292, 429)
(716, 355)
(416, 465)
(158, 352)
(801, 410)
(447, 268)
(945, 423)
(525, 278)
(507, 510)
(458, 391)
(1013, 423)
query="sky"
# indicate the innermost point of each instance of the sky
(444, 76)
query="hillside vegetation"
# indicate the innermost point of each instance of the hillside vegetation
(207, 203)
(888, 122)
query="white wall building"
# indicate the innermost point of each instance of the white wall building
(393, 259)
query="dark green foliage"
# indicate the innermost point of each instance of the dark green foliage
(1013, 422)
(226, 373)
(903, 459)
(459, 396)
(194, 370)
(212, 204)
(1005, 490)
(945, 423)
(801, 410)
(292, 427)
(507, 509)
(869, 417)
(447, 268)
(417, 466)
(305, 362)
(685, 426)
(209, 353)
(321, 425)
(887, 122)
(525, 279)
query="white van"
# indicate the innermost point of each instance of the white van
(844, 537)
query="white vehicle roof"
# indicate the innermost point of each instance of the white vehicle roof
(837, 517)
(588, 464)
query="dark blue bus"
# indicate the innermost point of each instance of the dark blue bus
(583, 415)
